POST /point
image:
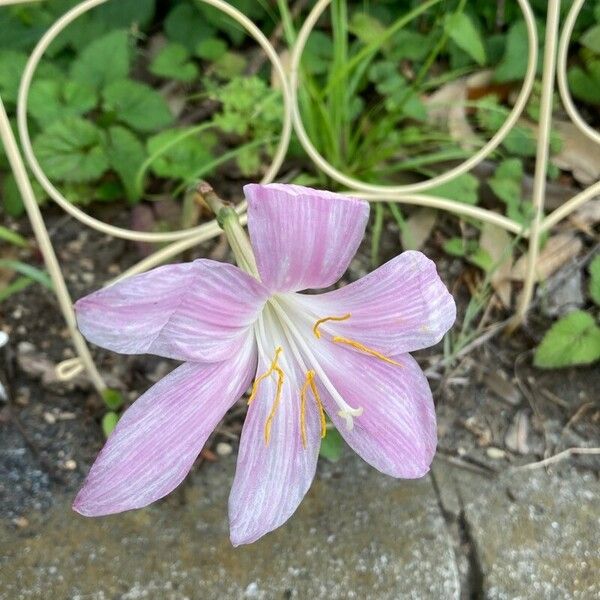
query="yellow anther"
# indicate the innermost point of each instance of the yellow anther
(269, 422)
(310, 382)
(266, 374)
(342, 340)
(325, 319)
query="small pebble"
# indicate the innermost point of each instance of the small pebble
(21, 522)
(224, 449)
(49, 418)
(70, 465)
(495, 453)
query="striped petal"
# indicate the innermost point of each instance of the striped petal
(400, 307)
(303, 238)
(396, 432)
(271, 479)
(198, 311)
(159, 437)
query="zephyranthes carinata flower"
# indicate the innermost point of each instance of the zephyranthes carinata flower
(343, 353)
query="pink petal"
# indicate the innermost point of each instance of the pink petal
(159, 437)
(400, 307)
(397, 431)
(270, 481)
(197, 311)
(303, 238)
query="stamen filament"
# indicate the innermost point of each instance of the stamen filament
(342, 340)
(266, 374)
(269, 421)
(310, 382)
(325, 319)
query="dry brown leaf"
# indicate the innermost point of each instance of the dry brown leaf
(498, 244)
(558, 250)
(418, 228)
(447, 107)
(579, 154)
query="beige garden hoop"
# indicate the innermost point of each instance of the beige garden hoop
(554, 64)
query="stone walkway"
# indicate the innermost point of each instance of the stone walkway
(358, 535)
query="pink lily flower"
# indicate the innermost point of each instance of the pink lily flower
(343, 353)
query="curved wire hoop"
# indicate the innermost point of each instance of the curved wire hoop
(554, 63)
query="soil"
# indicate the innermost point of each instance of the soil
(494, 409)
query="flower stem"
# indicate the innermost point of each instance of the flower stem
(228, 221)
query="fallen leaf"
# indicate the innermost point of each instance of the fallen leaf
(498, 244)
(579, 154)
(418, 228)
(558, 250)
(518, 433)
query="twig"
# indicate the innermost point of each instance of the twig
(557, 458)
(470, 465)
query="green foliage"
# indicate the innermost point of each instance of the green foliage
(28, 271)
(463, 32)
(513, 65)
(53, 99)
(594, 287)
(506, 184)
(12, 64)
(113, 399)
(186, 25)
(332, 445)
(72, 150)
(572, 340)
(470, 250)
(126, 154)
(173, 62)
(12, 237)
(109, 422)
(464, 188)
(103, 61)
(137, 105)
(180, 154)
(210, 49)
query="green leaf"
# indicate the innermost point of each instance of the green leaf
(591, 39)
(366, 27)
(30, 271)
(16, 286)
(112, 398)
(463, 32)
(109, 422)
(11, 196)
(573, 340)
(12, 65)
(52, 99)
(173, 62)
(332, 445)
(585, 85)
(72, 149)
(183, 158)
(126, 12)
(594, 270)
(186, 25)
(230, 65)
(513, 65)
(126, 155)
(103, 61)
(210, 49)
(507, 179)
(12, 237)
(137, 105)
(316, 57)
(455, 247)
(463, 188)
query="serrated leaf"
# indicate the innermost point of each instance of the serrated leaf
(12, 64)
(463, 188)
(173, 62)
(594, 287)
(591, 39)
(137, 105)
(112, 398)
(332, 446)
(52, 99)
(573, 340)
(72, 149)
(109, 422)
(210, 48)
(186, 25)
(103, 61)
(126, 154)
(182, 158)
(463, 32)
